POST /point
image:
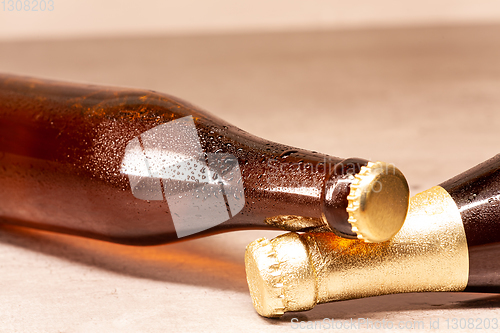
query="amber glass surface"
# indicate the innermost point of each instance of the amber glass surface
(62, 145)
(477, 195)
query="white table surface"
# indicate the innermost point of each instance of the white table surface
(426, 99)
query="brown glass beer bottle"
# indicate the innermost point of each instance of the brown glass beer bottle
(139, 167)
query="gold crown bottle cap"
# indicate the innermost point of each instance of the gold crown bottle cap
(378, 202)
(280, 275)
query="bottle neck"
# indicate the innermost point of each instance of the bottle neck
(295, 190)
(282, 182)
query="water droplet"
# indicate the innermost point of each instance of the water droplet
(287, 153)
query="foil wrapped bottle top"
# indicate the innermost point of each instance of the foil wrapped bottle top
(296, 271)
(280, 275)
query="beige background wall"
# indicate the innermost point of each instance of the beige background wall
(91, 18)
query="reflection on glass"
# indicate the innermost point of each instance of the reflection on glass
(167, 162)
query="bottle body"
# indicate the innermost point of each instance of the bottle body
(120, 164)
(476, 193)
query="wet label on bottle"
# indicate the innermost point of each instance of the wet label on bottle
(168, 163)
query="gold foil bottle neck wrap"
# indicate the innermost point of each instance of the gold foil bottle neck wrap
(429, 253)
(378, 202)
